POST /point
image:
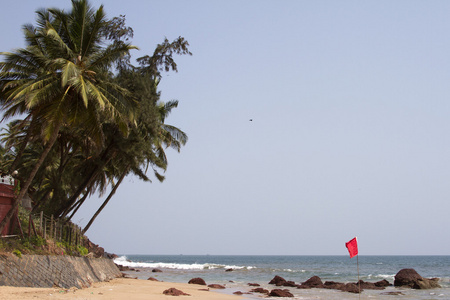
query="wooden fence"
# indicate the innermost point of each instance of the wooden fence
(49, 228)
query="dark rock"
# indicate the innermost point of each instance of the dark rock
(197, 281)
(152, 279)
(369, 285)
(277, 280)
(253, 284)
(333, 285)
(111, 255)
(304, 287)
(427, 283)
(156, 270)
(382, 283)
(314, 281)
(280, 293)
(290, 284)
(174, 292)
(351, 288)
(96, 250)
(216, 286)
(229, 270)
(260, 290)
(122, 268)
(412, 279)
(406, 277)
(241, 293)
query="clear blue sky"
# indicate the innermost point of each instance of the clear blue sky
(350, 102)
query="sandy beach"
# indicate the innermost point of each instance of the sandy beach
(120, 288)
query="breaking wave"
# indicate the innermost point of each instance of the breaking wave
(123, 261)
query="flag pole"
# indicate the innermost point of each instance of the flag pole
(359, 282)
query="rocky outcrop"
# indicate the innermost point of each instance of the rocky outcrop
(197, 280)
(174, 292)
(410, 278)
(216, 286)
(351, 288)
(382, 283)
(152, 279)
(334, 285)
(260, 290)
(313, 282)
(95, 249)
(253, 284)
(370, 285)
(316, 282)
(277, 280)
(280, 293)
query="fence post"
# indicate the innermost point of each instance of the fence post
(41, 222)
(45, 229)
(51, 226)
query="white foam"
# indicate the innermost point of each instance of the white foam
(123, 261)
(386, 276)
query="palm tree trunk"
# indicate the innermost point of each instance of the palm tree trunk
(113, 191)
(105, 158)
(76, 206)
(27, 183)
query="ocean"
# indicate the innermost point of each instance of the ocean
(261, 269)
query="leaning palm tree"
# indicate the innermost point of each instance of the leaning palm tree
(63, 78)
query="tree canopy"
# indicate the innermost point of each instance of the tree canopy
(84, 115)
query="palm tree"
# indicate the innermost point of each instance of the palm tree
(63, 78)
(142, 152)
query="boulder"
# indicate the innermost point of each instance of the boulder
(277, 280)
(382, 283)
(241, 293)
(156, 270)
(197, 280)
(351, 288)
(427, 283)
(260, 290)
(333, 285)
(152, 279)
(110, 255)
(253, 284)
(412, 279)
(314, 281)
(280, 293)
(123, 268)
(174, 292)
(289, 284)
(406, 277)
(304, 287)
(369, 285)
(216, 286)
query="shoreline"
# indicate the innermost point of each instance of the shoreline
(116, 289)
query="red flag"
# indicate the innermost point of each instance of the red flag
(352, 247)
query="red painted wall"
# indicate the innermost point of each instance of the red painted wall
(6, 202)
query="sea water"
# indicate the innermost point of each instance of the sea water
(261, 269)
